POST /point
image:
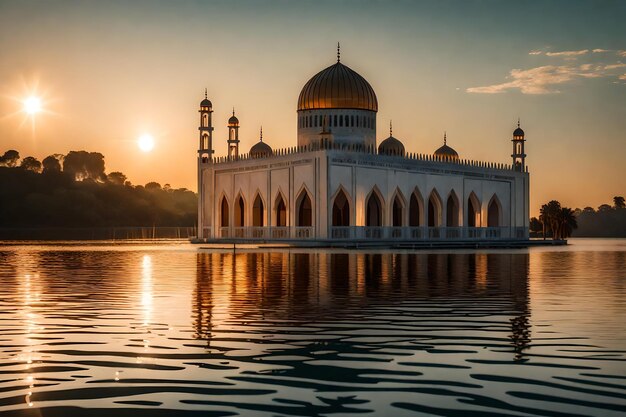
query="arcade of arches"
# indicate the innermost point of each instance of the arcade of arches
(374, 211)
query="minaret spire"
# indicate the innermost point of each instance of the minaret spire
(261, 133)
(338, 52)
(390, 128)
(518, 122)
(445, 137)
(233, 110)
(206, 94)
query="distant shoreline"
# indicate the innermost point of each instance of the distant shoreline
(96, 233)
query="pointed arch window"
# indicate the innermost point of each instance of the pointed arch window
(240, 212)
(341, 210)
(281, 211)
(373, 211)
(258, 212)
(304, 210)
(224, 221)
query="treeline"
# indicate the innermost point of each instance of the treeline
(74, 190)
(605, 221)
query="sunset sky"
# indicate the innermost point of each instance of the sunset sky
(108, 72)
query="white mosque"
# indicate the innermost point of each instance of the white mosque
(338, 186)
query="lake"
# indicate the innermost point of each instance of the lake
(171, 329)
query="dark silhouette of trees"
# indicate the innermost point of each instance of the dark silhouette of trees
(51, 165)
(607, 221)
(79, 195)
(153, 186)
(116, 177)
(555, 220)
(10, 158)
(85, 165)
(31, 164)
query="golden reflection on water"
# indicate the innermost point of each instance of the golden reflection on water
(144, 326)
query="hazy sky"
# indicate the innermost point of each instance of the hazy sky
(109, 71)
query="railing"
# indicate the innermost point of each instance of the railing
(303, 232)
(280, 232)
(376, 233)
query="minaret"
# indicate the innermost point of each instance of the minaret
(233, 137)
(205, 150)
(519, 157)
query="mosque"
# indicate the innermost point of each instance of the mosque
(338, 185)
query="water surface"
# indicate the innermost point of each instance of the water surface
(171, 329)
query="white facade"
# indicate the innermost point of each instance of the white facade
(336, 186)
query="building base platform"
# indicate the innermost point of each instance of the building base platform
(376, 244)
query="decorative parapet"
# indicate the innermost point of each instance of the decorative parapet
(372, 150)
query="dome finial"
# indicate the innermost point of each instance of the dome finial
(338, 52)
(233, 110)
(390, 128)
(518, 122)
(205, 94)
(261, 134)
(445, 137)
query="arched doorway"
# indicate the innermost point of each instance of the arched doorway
(258, 212)
(304, 212)
(239, 212)
(434, 210)
(452, 210)
(493, 212)
(415, 210)
(224, 213)
(341, 210)
(373, 211)
(397, 212)
(281, 212)
(473, 211)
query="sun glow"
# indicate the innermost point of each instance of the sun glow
(145, 142)
(32, 105)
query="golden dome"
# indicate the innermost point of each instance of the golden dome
(337, 87)
(446, 152)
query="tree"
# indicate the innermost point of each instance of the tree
(535, 225)
(51, 165)
(153, 186)
(10, 158)
(84, 165)
(604, 208)
(117, 178)
(548, 215)
(618, 201)
(588, 210)
(565, 222)
(31, 164)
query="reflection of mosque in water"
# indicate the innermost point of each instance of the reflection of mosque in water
(276, 287)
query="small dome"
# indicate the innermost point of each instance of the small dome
(391, 146)
(206, 103)
(518, 131)
(446, 152)
(233, 120)
(261, 150)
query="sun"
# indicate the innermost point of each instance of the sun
(32, 105)
(145, 142)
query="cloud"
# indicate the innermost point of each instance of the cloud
(621, 53)
(568, 53)
(597, 51)
(542, 80)
(535, 53)
(622, 77)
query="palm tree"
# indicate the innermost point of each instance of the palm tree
(548, 216)
(618, 201)
(566, 223)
